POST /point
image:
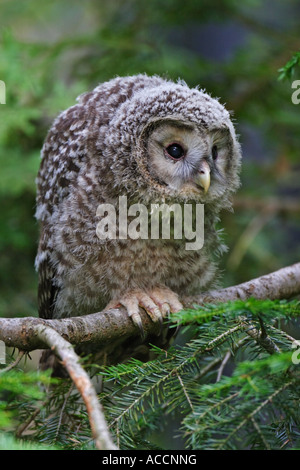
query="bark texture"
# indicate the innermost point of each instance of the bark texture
(104, 327)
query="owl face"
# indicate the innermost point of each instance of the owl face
(189, 161)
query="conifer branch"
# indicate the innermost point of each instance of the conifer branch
(260, 337)
(253, 413)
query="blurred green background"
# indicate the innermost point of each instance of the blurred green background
(50, 52)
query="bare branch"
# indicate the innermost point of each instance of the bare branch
(281, 284)
(70, 360)
(104, 327)
(13, 364)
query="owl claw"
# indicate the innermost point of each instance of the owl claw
(138, 322)
(158, 304)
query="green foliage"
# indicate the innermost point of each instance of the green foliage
(33, 99)
(224, 389)
(223, 399)
(49, 55)
(231, 381)
(18, 390)
(289, 69)
(7, 442)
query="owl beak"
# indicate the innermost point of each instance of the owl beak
(203, 176)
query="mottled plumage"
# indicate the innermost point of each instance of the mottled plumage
(115, 141)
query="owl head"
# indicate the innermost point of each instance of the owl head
(165, 139)
(188, 161)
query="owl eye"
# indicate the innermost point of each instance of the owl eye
(175, 151)
(214, 152)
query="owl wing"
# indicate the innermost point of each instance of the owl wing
(63, 149)
(47, 293)
(47, 290)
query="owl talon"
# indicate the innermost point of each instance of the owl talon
(157, 303)
(166, 309)
(138, 322)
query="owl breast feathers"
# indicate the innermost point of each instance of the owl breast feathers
(153, 141)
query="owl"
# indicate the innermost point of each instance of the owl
(154, 142)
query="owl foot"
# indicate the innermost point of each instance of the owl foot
(157, 303)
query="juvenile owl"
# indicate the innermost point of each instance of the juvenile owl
(154, 142)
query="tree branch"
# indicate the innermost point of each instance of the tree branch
(70, 360)
(109, 325)
(281, 284)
